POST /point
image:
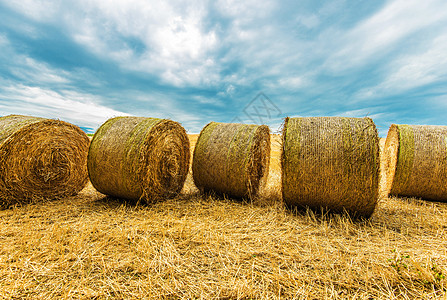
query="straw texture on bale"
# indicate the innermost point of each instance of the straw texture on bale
(416, 161)
(139, 158)
(331, 163)
(40, 159)
(232, 159)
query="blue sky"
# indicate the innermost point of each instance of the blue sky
(247, 61)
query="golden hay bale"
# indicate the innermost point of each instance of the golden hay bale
(232, 159)
(416, 161)
(40, 159)
(331, 162)
(139, 158)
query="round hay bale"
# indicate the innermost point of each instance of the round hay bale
(416, 161)
(232, 159)
(40, 159)
(331, 163)
(139, 158)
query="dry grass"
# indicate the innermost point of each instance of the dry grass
(194, 246)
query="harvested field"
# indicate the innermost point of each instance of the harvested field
(196, 246)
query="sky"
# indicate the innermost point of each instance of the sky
(249, 61)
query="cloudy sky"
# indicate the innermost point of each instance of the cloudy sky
(246, 61)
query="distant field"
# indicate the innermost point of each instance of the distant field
(202, 247)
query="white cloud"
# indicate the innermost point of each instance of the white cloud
(413, 71)
(39, 10)
(309, 21)
(182, 37)
(245, 11)
(293, 83)
(82, 109)
(207, 100)
(331, 7)
(228, 48)
(384, 30)
(422, 68)
(3, 40)
(176, 44)
(30, 69)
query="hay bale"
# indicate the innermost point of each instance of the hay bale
(331, 163)
(139, 158)
(416, 161)
(40, 159)
(232, 159)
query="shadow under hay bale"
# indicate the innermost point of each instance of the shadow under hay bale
(139, 158)
(232, 159)
(331, 163)
(40, 159)
(416, 161)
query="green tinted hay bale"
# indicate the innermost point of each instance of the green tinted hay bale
(40, 159)
(232, 159)
(331, 163)
(416, 161)
(139, 158)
